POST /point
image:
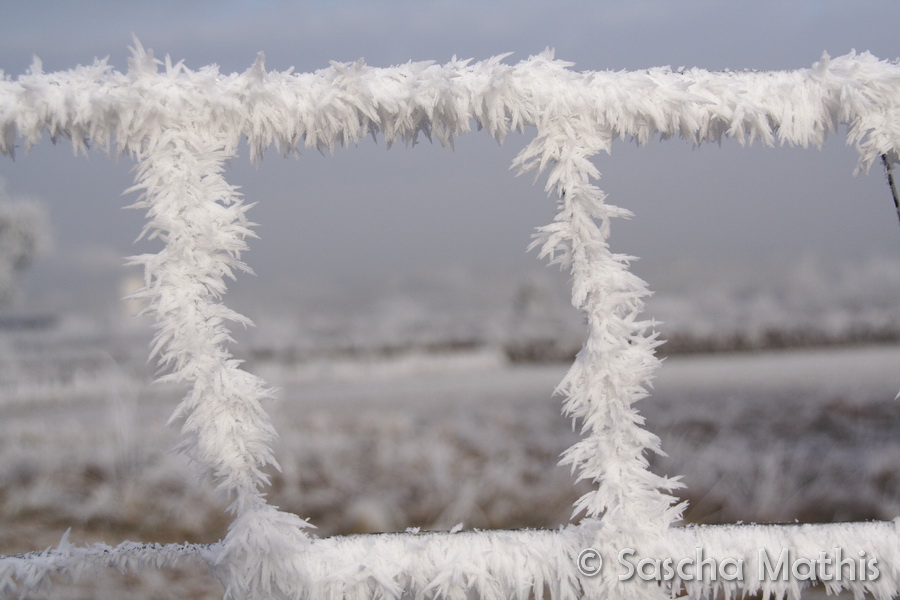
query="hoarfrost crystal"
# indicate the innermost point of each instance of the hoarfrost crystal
(182, 126)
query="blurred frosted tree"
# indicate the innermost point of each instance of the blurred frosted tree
(24, 237)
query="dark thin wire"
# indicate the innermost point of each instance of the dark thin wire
(890, 178)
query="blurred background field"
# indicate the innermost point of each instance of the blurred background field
(434, 430)
(429, 402)
(429, 438)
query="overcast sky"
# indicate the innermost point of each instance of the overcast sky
(368, 220)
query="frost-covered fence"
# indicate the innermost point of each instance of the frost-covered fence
(181, 126)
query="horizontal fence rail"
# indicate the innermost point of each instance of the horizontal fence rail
(771, 560)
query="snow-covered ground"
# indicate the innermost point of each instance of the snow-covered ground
(433, 439)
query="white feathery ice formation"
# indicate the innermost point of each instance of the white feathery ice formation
(182, 125)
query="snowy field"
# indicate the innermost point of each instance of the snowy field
(431, 440)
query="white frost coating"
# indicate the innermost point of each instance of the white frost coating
(26, 573)
(501, 564)
(182, 126)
